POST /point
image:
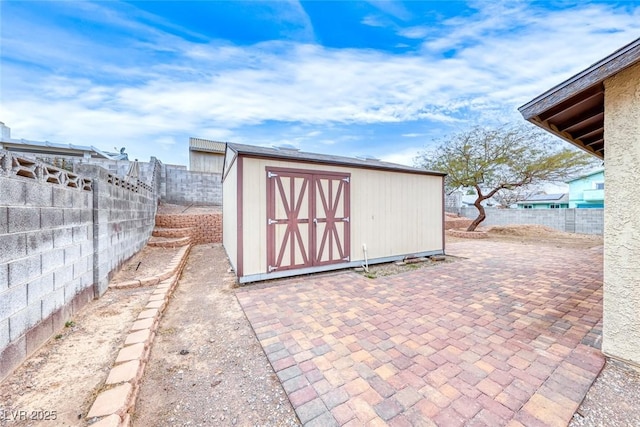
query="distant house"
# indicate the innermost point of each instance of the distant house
(46, 149)
(545, 201)
(206, 155)
(587, 191)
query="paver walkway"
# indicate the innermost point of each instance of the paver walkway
(507, 336)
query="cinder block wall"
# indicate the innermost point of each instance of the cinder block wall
(46, 254)
(185, 187)
(585, 221)
(61, 236)
(123, 221)
(205, 228)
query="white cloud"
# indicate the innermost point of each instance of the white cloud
(405, 156)
(95, 93)
(418, 32)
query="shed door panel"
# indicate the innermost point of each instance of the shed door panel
(331, 219)
(289, 225)
(307, 219)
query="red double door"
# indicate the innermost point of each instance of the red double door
(307, 218)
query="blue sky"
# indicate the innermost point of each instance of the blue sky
(351, 78)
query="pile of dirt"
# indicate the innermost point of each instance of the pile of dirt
(541, 235)
(524, 230)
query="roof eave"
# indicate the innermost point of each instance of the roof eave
(593, 75)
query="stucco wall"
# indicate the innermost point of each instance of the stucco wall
(621, 323)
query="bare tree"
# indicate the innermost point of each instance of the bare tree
(505, 158)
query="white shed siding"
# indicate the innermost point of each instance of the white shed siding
(393, 213)
(230, 215)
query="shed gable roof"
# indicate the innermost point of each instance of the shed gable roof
(302, 156)
(574, 109)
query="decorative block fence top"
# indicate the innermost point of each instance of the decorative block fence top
(12, 165)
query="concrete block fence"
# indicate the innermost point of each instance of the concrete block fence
(62, 234)
(185, 187)
(585, 221)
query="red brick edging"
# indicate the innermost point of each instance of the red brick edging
(174, 267)
(115, 403)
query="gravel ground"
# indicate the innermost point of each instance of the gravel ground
(206, 366)
(612, 399)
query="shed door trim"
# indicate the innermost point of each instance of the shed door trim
(308, 218)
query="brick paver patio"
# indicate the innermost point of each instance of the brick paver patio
(507, 336)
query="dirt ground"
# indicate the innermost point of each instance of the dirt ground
(206, 365)
(68, 371)
(544, 236)
(146, 263)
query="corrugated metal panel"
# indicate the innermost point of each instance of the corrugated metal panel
(199, 144)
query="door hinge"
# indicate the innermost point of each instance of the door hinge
(271, 221)
(346, 219)
(272, 268)
(271, 174)
(346, 259)
(346, 179)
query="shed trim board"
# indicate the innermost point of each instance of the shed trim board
(240, 236)
(324, 268)
(361, 212)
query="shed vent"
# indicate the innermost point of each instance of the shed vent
(286, 147)
(368, 157)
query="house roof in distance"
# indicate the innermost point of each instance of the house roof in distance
(574, 109)
(547, 198)
(292, 153)
(46, 147)
(587, 175)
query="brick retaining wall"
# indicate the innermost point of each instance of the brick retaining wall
(205, 228)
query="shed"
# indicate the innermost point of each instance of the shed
(287, 212)
(206, 155)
